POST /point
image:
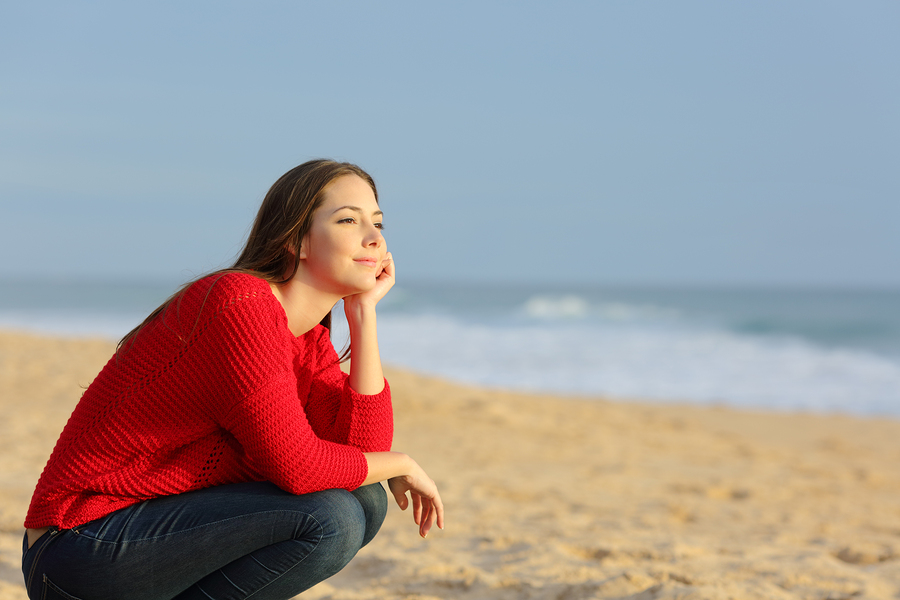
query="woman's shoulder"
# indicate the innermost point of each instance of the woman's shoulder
(230, 287)
(228, 293)
(231, 281)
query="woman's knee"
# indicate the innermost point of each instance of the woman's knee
(374, 502)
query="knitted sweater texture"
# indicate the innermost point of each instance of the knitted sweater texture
(215, 390)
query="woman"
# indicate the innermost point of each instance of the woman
(222, 453)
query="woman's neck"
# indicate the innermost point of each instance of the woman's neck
(304, 305)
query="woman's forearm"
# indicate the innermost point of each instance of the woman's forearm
(386, 465)
(366, 375)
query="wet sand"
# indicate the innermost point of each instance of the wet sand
(563, 498)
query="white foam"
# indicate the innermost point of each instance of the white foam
(573, 306)
(666, 363)
(624, 355)
(555, 307)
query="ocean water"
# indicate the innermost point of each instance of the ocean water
(789, 349)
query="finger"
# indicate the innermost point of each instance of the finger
(424, 526)
(387, 264)
(438, 510)
(402, 500)
(427, 521)
(417, 508)
(385, 271)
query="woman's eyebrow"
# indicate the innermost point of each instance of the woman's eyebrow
(357, 209)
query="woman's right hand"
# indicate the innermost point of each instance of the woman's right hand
(403, 475)
(426, 500)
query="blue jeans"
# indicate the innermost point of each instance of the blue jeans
(247, 540)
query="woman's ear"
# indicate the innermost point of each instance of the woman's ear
(302, 252)
(290, 250)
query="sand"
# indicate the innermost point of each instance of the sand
(566, 499)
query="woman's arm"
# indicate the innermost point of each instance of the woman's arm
(366, 376)
(403, 475)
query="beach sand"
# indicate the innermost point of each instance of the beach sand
(564, 499)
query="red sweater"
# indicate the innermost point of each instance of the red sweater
(215, 390)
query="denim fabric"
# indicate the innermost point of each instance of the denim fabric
(247, 540)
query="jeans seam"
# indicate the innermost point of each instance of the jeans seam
(308, 554)
(124, 526)
(37, 557)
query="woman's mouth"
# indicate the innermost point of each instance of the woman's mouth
(366, 262)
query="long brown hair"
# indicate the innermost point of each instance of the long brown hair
(283, 220)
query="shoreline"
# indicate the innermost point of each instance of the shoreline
(553, 496)
(562, 395)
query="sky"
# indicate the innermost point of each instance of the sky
(647, 143)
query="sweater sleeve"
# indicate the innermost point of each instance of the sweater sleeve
(253, 389)
(340, 414)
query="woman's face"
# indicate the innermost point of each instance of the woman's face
(343, 250)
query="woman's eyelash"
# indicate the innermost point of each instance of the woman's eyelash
(353, 220)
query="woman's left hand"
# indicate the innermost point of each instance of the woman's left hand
(384, 281)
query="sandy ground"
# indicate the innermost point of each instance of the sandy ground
(561, 498)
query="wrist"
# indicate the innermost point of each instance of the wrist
(404, 465)
(409, 465)
(358, 313)
(388, 465)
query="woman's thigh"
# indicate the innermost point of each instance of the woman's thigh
(160, 548)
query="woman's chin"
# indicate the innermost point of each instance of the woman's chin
(359, 288)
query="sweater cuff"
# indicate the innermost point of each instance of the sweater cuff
(369, 399)
(368, 420)
(359, 471)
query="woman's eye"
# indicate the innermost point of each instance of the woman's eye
(379, 225)
(347, 220)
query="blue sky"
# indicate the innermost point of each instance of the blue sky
(590, 142)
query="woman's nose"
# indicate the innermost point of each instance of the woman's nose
(374, 237)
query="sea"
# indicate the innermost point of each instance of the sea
(816, 350)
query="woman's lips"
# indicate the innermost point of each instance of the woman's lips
(366, 262)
